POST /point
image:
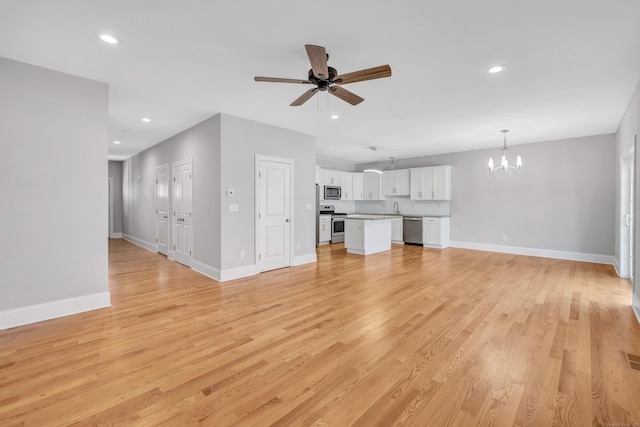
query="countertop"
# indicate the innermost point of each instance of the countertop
(400, 215)
(368, 217)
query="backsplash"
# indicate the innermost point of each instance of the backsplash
(342, 206)
(406, 206)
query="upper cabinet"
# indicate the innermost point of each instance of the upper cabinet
(358, 186)
(396, 182)
(346, 182)
(330, 177)
(431, 183)
(372, 186)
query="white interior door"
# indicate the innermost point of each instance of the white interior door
(182, 202)
(162, 209)
(631, 218)
(274, 214)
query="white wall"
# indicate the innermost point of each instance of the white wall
(53, 187)
(562, 200)
(628, 131)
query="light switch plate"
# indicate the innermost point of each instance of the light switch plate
(233, 208)
(307, 206)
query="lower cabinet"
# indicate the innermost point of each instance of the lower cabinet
(396, 230)
(435, 232)
(325, 229)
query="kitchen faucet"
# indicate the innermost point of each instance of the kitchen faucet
(395, 207)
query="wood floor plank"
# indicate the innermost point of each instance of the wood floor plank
(408, 337)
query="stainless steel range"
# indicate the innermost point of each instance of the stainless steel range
(337, 222)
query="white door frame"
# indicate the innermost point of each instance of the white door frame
(290, 162)
(173, 209)
(111, 226)
(155, 202)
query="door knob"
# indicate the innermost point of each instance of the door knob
(288, 220)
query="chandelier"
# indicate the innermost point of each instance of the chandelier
(504, 163)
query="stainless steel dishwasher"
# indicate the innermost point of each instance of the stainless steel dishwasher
(412, 230)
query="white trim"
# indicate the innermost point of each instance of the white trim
(636, 306)
(238, 272)
(111, 226)
(116, 235)
(616, 267)
(53, 309)
(224, 275)
(207, 270)
(544, 253)
(256, 191)
(142, 243)
(305, 259)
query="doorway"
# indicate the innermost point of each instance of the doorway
(273, 212)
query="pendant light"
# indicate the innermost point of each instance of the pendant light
(373, 148)
(504, 162)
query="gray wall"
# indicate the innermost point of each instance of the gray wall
(201, 143)
(115, 172)
(53, 138)
(241, 140)
(563, 199)
(223, 149)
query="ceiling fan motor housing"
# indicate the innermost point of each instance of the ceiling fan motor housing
(323, 84)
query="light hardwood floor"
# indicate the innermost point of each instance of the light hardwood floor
(414, 337)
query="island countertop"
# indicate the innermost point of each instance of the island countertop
(371, 217)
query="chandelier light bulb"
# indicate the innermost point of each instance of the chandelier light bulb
(504, 162)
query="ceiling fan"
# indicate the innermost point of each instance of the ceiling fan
(326, 78)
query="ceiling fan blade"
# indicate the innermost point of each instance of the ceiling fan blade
(362, 75)
(345, 95)
(304, 98)
(318, 59)
(279, 80)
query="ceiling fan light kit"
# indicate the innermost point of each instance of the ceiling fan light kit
(327, 79)
(504, 162)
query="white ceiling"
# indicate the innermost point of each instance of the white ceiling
(572, 67)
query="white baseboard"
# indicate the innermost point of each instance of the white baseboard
(224, 275)
(238, 272)
(207, 270)
(116, 236)
(54, 309)
(305, 259)
(544, 253)
(616, 267)
(143, 244)
(636, 306)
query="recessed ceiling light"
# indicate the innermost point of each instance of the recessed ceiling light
(335, 116)
(146, 120)
(497, 69)
(116, 142)
(108, 38)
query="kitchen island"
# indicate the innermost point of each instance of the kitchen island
(367, 234)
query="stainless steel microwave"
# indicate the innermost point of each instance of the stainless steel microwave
(332, 192)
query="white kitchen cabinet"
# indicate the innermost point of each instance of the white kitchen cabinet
(372, 186)
(330, 177)
(346, 183)
(358, 186)
(435, 232)
(396, 230)
(325, 229)
(396, 182)
(431, 183)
